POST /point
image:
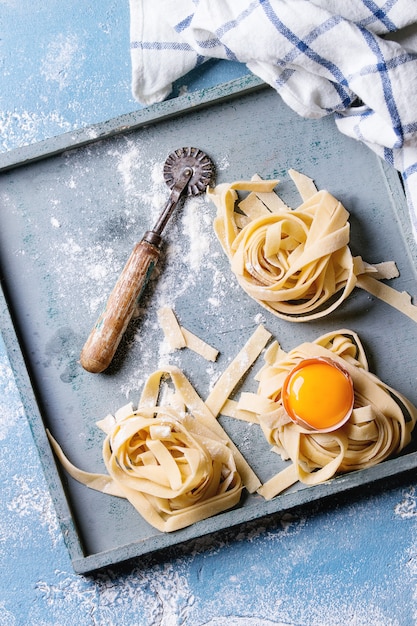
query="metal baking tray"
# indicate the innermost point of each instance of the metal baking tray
(72, 208)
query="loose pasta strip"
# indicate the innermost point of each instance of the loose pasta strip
(237, 369)
(380, 424)
(295, 263)
(179, 337)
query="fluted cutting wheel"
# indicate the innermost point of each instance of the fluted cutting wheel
(198, 161)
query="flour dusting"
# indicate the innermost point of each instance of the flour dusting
(8, 419)
(129, 165)
(63, 58)
(31, 125)
(33, 499)
(407, 508)
(196, 226)
(159, 595)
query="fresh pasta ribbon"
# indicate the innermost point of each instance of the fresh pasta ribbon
(380, 425)
(179, 337)
(296, 263)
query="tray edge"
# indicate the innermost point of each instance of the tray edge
(53, 146)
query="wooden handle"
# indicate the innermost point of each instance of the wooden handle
(102, 343)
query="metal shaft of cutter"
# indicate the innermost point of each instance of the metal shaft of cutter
(154, 236)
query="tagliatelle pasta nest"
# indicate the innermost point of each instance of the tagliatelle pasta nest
(171, 467)
(172, 459)
(295, 262)
(380, 424)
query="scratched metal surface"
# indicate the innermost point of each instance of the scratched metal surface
(69, 220)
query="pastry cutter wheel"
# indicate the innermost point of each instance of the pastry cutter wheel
(187, 171)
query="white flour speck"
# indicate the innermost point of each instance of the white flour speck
(195, 228)
(71, 184)
(259, 318)
(128, 166)
(71, 247)
(98, 271)
(407, 508)
(30, 499)
(223, 163)
(157, 174)
(63, 58)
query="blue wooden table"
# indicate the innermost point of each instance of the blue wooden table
(348, 560)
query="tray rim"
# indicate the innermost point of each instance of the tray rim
(168, 109)
(84, 563)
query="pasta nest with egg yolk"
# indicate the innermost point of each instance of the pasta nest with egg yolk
(380, 424)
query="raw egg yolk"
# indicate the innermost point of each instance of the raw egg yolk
(318, 394)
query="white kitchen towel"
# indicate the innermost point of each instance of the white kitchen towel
(355, 59)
